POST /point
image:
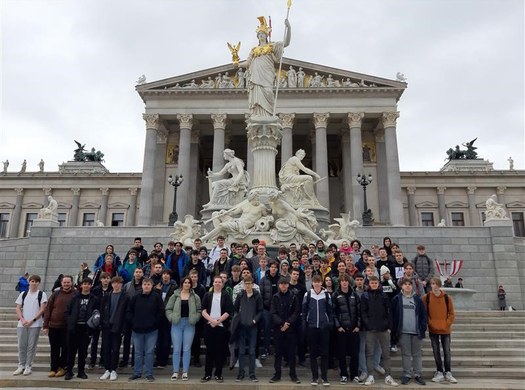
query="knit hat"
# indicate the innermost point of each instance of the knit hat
(285, 262)
(384, 270)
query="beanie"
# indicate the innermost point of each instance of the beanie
(384, 270)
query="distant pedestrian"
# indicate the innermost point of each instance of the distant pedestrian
(502, 300)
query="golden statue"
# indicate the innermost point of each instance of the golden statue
(235, 52)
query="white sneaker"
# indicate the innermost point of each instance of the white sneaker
(438, 377)
(105, 376)
(258, 363)
(450, 378)
(27, 371)
(113, 376)
(393, 348)
(390, 381)
(380, 370)
(370, 380)
(18, 371)
(175, 376)
(184, 376)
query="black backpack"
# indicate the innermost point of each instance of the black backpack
(428, 303)
(40, 294)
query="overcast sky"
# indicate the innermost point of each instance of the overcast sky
(69, 68)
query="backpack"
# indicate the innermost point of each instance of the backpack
(40, 294)
(428, 304)
(18, 286)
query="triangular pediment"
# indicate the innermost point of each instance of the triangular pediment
(225, 78)
(89, 205)
(456, 204)
(62, 205)
(32, 205)
(6, 205)
(426, 205)
(515, 205)
(118, 205)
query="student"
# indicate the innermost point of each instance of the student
(409, 327)
(440, 310)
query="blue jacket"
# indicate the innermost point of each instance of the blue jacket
(317, 309)
(24, 284)
(100, 261)
(397, 316)
(177, 269)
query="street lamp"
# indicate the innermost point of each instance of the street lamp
(367, 213)
(175, 182)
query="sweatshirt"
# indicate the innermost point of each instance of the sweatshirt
(438, 322)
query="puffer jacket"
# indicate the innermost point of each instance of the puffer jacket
(346, 310)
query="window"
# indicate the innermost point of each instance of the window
(88, 219)
(62, 219)
(427, 219)
(4, 221)
(457, 219)
(30, 217)
(117, 219)
(518, 223)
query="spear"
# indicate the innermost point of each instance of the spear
(281, 61)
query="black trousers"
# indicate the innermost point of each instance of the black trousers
(58, 344)
(126, 346)
(285, 344)
(95, 336)
(163, 347)
(196, 344)
(216, 340)
(348, 344)
(318, 342)
(111, 347)
(77, 342)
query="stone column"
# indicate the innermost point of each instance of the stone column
(160, 180)
(321, 158)
(392, 165)
(103, 212)
(130, 220)
(382, 196)
(501, 195)
(347, 172)
(219, 126)
(472, 212)
(356, 156)
(412, 212)
(183, 192)
(194, 169)
(17, 213)
(287, 141)
(73, 218)
(314, 160)
(441, 203)
(148, 169)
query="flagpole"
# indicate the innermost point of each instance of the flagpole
(281, 62)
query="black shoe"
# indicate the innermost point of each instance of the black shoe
(239, 378)
(91, 366)
(134, 377)
(82, 375)
(295, 379)
(253, 378)
(420, 381)
(150, 378)
(275, 379)
(205, 379)
(219, 379)
(302, 363)
(68, 376)
(405, 380)
(123, 364)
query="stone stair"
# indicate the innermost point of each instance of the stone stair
(488, 345)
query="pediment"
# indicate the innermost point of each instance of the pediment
(515, 205)
(118, 205)
(89, 205)
(426, 205)
(62, 205)
(5, 205)
(332, 79)
(456, 204)
(32, 205)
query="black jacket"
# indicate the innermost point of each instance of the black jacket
(226, 305)
(249, 308)
(73, 309)
(267, 292)
(145, 312)
(375, 311)
(346, 310)
(286, 308)
(119, 321)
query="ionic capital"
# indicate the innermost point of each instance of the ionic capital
(501, 190)
(411, 190)
(152, 121)
(76, 191)
(185, 121)
(441, 190)
(287, 120)
(471, 190)
(219, 121)
(355, 119)
(133, 191)
(389, 119)
(19, 191)
(321, 120)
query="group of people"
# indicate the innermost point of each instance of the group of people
(322, 300)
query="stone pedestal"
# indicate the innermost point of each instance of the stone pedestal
(477, 165)
(82, 167)
(496, 222)
(47, 222)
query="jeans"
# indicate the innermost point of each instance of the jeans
(247, 336)
(362, 353)
(384, 341)
(27, 342)
(318, 340)
(411, 354)
(144, 344)
(182, 335)
(445, 342)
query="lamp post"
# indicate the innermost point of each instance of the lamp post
(175, 182)
(364, 180)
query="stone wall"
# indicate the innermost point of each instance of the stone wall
(491, 255)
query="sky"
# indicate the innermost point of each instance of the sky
(69, 68)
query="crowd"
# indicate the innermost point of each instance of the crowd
(323, 301)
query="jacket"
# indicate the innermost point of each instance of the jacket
(423, 267)
(55, 314)
(177, 266)
(397, 316)
(317, 309)
(173, 308)
(439, 322)
(145, 312)
(267, 292)
(226, 305)
(73, 309)
(375, 311)
(119, 320)
(346, 310)
(249, 308)
(282, 313)
(100, 261)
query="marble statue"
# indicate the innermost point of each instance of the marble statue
(240, 78)
(510, 160)
(330, 82)
(261, 70)
(99, 223)
(494, 210)
(41, 165)
(291, 225)
(442, 223)
(6, 165)
(209, 83)
(300, 78)
(316, 81)
(228, 192)
(186, 231)
(23, 167)
(191, 84)
(291, 75)
(226, 81)
(249, 212)
(343, 230)
(349, 83)
(401, 77)
(218, 80)
(298, 189)
(49, 212)
(141, 80)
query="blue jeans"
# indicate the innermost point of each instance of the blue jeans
(362, 353)
(247, 336)
(182, 335)
(144, 344)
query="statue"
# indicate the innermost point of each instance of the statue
(316, 81)
(343, 230)
(298, 189)
(291, 75)
(494, 210)
(228, 192)
(401, 77)
(250, 211)
(6, 165)
(141, 80)
(191, 84)
(99, 223)
(49, 212)
(24, 166)
(349, 83)
(442, 223)
(510, 160)
(330, 82)
(81, 155)
(240, 78)
(261, 70)
(291, 225)
(470, 153)
(218, 80)
(300, 78)
(41, 165)
(226, 81)
(209, 83)
(235, 52)
(186, 231)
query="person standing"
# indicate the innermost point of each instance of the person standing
(30, 307)
(423, 267)
(104, 288)
(502, 300)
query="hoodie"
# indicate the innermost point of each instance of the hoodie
(438, 320)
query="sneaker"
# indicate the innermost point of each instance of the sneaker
(275, 379)
(326, 383)
(295, 380)
(362, 377)
(390, 381)
(450, 378)
(438, 377)
(205, 379)
(20, 370)
(175, 376)
(68, 376)
(219, 379)
(150, 378)
(263, 356)
(420, 381)
(258, 363)
(253, 378)
(344, 380)
(91, 366)
(51, 374)
(393, 348)
(134, 377)
(239, 378)
(405, 380)
(380, 370)
(60, 372)
(105, 376)
(357, 381)
(370, 380)
(82, 375)
(184, 376)
(113, 376)
(314, 381)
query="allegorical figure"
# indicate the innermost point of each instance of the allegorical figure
(298, 189)
(261, 69)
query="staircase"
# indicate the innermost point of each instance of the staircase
(488, 349)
